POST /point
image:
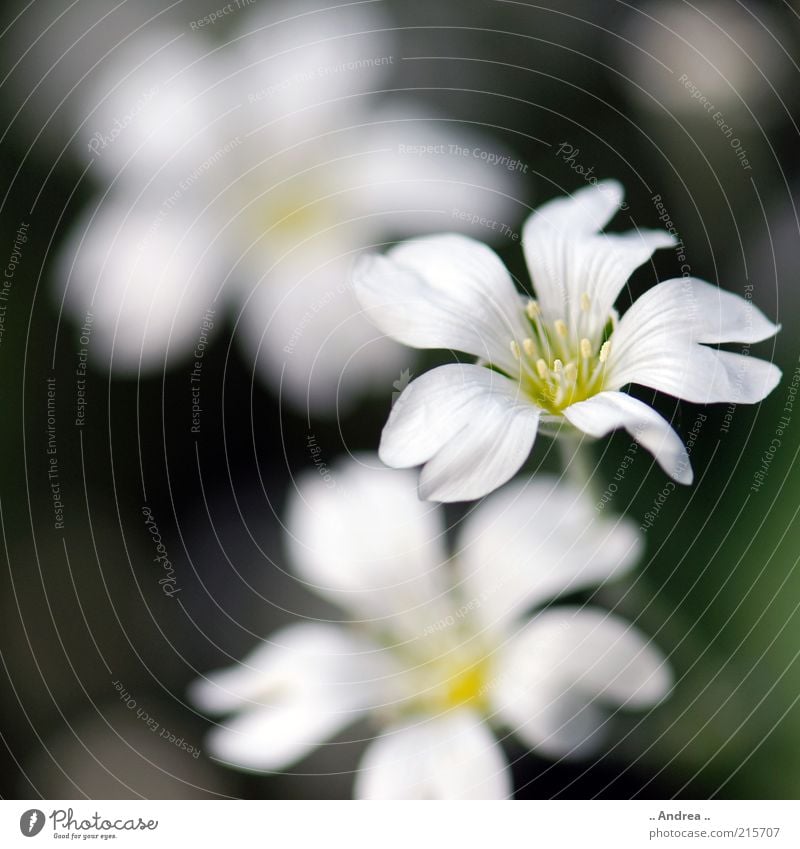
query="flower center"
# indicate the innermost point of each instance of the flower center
(557, 365)
(290, 212)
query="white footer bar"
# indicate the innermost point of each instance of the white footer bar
(386, 825)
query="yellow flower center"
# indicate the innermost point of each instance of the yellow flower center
(450, 681)
(557, 366)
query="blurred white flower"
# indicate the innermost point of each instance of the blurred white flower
(707, 58)
(439, 650)
(557, 362)
(249, 175)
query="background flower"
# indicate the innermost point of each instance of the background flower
(245, 176)
(439, 650)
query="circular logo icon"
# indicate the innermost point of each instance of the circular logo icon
(31, 822)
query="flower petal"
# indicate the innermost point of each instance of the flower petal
(307, 336)
(153, 109)
(449, 757)
(443, 292)
(468, 424)
(534, 540)
(410, 182)
(303, 67)
(147, 279)
(655, 345)
(570, 260)
(360, 536)
(607, 411)
(552, 679)
(295, 690)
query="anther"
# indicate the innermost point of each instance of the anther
(586, 302)
(541, 368)
(514, 349)
(570, 371)
(604, 349)
(529, 347)
(533, 309)
(557, 366)
(586, 349)
(561, 328)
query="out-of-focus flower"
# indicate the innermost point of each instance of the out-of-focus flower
(439, 650)
(559, 362)
(706, 59)
(249, 175)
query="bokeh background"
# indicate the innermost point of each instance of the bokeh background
(573, 89)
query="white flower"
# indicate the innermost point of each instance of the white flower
(437, 651)
(248, 175)
(710, 61)
(561, 360)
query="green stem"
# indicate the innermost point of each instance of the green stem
(577, 461)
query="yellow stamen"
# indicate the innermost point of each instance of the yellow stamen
(603, 355)
(570, 371)
(586, 349)
(586, 302)
(561, 328)
(557, 366)
(515, 349)
(541, 368)
(533, 309)
(529, 347)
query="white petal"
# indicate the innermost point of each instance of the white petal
(449, 757)
(360, 536)
(607, 411)
(295, 690)
(300, 68)
(468, 424)
(698, 374)
(534, 540)
(655, 344)
(568, 259)
(307, 336)
(295, 659)
(408, 178)
(155, 109)
(147, 278)
(277, 737)
(552, 679)
(443, 292)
